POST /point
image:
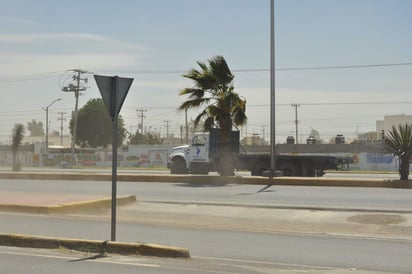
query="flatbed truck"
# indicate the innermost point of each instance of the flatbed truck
(201, 156)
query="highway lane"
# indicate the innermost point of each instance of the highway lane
(319, 251)
(248, 195)
(15, 260)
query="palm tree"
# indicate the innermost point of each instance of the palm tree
(18, 133)
(222, 107)
(399, 141)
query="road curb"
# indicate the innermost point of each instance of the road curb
(94, 246)
(97, 205)
(287, 207)
(212, 180)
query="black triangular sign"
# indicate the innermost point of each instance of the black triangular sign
(114, 90)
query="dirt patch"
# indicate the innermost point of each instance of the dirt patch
(377, 219)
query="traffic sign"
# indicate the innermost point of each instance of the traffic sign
(114, 90)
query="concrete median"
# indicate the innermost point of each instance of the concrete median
(215, 180)
(94, 246)
(89, 206)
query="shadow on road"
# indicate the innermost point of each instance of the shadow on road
(197, 184)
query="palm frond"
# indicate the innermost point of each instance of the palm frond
(199, 117)
(209, 123)
(221, 71)
(399, 139)
(192, 92)
(213, 89)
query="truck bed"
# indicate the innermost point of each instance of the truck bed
(290, 165)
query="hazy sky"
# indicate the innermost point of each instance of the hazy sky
(156, 41)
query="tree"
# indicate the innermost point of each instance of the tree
(17, 136)
(35, 128)
(399, 141)
(145, 139)
(213, 89)
(94, 125)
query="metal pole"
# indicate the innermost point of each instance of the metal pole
(47, 129)
(76, 94)
(61, 119)
(187, 128)
(296, 121)
(47, 123)
(272, 88)
(114, 158)
(114, 178)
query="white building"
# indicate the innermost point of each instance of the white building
(388, 121)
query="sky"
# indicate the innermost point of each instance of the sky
(318, 46)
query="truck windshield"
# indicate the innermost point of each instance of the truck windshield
(199, 141)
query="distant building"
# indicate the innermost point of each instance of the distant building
(254, 140)
(388, 121)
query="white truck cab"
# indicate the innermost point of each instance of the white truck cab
(192, 158)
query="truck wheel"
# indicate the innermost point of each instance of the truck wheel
(289, 169)
(319, 173)
(178, 166)
(258, 170)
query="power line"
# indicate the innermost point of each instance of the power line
(347, 66)
(284, 69)
(173, 109)
(337, 103)
(32, 76)
(302, 104)
(36, 76)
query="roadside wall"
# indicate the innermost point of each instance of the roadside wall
(365, 156)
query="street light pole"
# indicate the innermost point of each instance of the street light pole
(295, 106)
(272, 172)
(272, 88)
(47, 122)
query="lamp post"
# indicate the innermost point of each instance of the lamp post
(295, 106)
(272, 90)
(47, 122)
(272, 172)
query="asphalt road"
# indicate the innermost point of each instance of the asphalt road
(298, 250)
(230, 251)
(249, 195)
(34, 261)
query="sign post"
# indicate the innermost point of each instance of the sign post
(114, 90)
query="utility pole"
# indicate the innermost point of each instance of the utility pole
(76, 88)
(61, 119)
(167, 128)
(295, 106)
(141, 116)
(263, 134)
